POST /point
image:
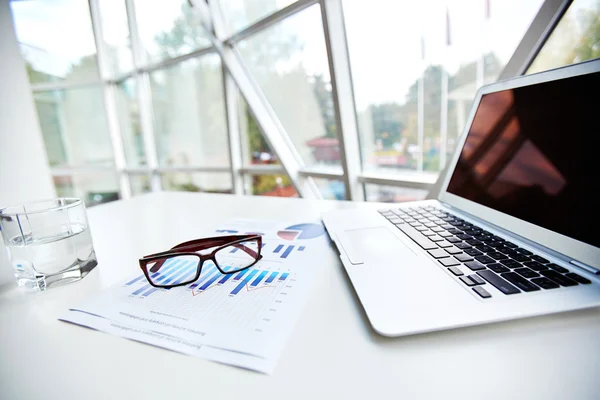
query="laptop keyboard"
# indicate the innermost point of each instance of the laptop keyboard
(461, 246)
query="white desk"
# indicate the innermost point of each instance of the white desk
(331, 353)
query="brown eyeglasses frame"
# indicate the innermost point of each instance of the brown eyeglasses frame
(191, 248)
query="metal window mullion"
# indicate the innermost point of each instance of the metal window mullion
(542, 26)
(231, 99)
(45, 87)
(110, 102)
(142, 84)
(269, 20)
(343, 96)
(266, 118)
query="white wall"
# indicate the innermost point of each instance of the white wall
(24, 172)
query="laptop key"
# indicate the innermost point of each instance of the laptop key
(477, 279)
(511, 263)
(416, 236)
(557, 268)
(453, 240)
(463, 246)
(498, 268)
(456, 271)
(534, 265)
(545, 283)
(473, 242)
(539, 259)
(526, 272)
(484, 248)
(498, 282)
(520, 282)
(558, 278)
(467, 281)
(524, 251)
(485, 259)
(448, 262)
(463, 257)
(520, 257)
(473, 252)
(482, 292)
(497, 255)
(453, 250)
(438, 253)
(578, 278)
(474, 265)
(444, 244)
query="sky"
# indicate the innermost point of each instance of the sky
(384, 36)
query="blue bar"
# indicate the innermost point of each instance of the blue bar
(301, 248)
(174, 267)
(187, 275)
(210, 282)
(234, 250)
(283, 276)
(287, 251)
(271, 277)
(243, 283)
(238, 276)
(149, 292)
(225, 278)
(262, 245)
(260, 278)
(140, 290)
(135, 280)
(278, 248)
(204, 275)
(185, 270)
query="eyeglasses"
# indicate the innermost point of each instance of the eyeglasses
(183, 263)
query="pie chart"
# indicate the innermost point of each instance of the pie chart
(302, 231)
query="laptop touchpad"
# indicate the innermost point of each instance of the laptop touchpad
(372, 243)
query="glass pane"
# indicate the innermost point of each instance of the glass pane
(576, 38)
(115, 32)
(289, 62)
(393, 194)
(255, 148)
(129, 119)
(270, 185)
(168, 29)
(139, 184)
(189, 113)
(331, 189)
(238, 14)
(412, 100)
(93, 187)
(197, 182)
(56, 51)
(74, 128)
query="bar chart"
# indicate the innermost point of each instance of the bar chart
(210, 278)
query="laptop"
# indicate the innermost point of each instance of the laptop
(515, 229)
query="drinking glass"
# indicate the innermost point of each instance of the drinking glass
(48, 242)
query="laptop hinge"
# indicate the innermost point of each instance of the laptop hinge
(586, 267)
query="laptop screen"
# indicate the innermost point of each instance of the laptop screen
(533, 152)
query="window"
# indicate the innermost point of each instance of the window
(168, 29)
(238, 14)
(158, 121)
(56, 40)
(189, 113)
(416, 70)
(74, 128)
(289, 62)
(197, 182)
(575, 39)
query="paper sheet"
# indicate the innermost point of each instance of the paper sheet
(241, 319)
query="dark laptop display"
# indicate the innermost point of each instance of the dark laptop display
(533, 152)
